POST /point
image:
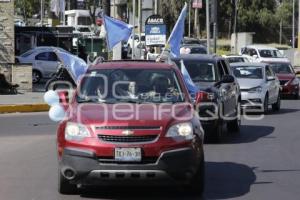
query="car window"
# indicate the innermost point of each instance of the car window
(42, 56)
(252, 52)
(282, 68)
(269, 72)
(198, 50)
(28, 53)
(52, 56)
(220, 69)
(132, 85)
(201, 71)
(249, 72)
(267, 53)
(225, 66)
(235, 59)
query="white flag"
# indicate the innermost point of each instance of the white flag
(58, 6)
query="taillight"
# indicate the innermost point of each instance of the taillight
(204, 96)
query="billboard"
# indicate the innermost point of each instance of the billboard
(155, 31)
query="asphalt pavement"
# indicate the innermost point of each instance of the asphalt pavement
(260, 163)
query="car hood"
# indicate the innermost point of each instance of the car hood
(285, 76)
(131, 114)
(246, 83)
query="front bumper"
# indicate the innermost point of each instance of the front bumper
(252, 101)
(289, 90)
(172, 166)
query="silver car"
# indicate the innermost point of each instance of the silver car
(259, 86)
(43, 59)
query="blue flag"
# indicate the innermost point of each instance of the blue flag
(192, 88)
(116, 31)
(75, 65)
(177, 33)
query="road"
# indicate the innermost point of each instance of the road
(260, 163)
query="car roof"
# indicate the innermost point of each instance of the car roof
(261, 46)
(200, 57)
(248, 64)
(131, 65)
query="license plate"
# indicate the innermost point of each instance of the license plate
(128, 154)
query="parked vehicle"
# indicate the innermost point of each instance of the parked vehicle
(259, 86)
(287, 77)
(44, 61)
(97, 147)
(262, 53)
(236, 58)
(221, 95)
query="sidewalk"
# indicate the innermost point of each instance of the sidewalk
(27, 102)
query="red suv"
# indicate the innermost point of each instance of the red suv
(130, 122)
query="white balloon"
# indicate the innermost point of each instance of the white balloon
(57, 113)
(51, 98)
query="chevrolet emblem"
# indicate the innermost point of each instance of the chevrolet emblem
(127, 132)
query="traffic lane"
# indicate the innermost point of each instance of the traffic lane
(268, 148)
(242, 167)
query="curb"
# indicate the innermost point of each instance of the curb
(23, 108)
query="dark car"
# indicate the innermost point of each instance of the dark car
(195, 48)
(130, 123)
(287, 77)
(221, 95)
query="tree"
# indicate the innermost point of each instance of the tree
(27, 8)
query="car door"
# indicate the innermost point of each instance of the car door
(272, 86)
(224, 91)
(46, 63)
(232, 91)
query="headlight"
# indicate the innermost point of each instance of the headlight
(75, 131)
(182, 129)
(295, 81)
(255, 90)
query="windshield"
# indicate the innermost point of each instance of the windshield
(131, 86)
(236, 59)
(200, 71)
(282, 68)
(267, 53)
(248, 72)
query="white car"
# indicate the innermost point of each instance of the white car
(259, 86)
(236, 58)
(262, 53)
(43, 59)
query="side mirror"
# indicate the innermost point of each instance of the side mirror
(227, 79)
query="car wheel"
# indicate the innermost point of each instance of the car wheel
(36, 76)
(64, 186)
(266, 104)
(276, 106)
(214, 132)
(296, 96)
(196, 186)
(234, 125)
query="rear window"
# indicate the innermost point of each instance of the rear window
(250, 72)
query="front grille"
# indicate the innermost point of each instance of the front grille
(127, 139)
(283, 82)
(244, 90)
(111, 160)
(127, 127)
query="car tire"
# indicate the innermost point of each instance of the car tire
(36, 76)
(214, 132)
(196, 185)
(266, 105)
(234, 125)
(64, 186)
(296, 96)
(276, 106)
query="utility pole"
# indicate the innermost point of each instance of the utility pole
(156, 7)
(299, 25)
(140, 25)
(208, 26)
(214, 20)
(42, 12)
(196, 23)
(133, 30)
(189, 18)
(293, 21)
(235, 24)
